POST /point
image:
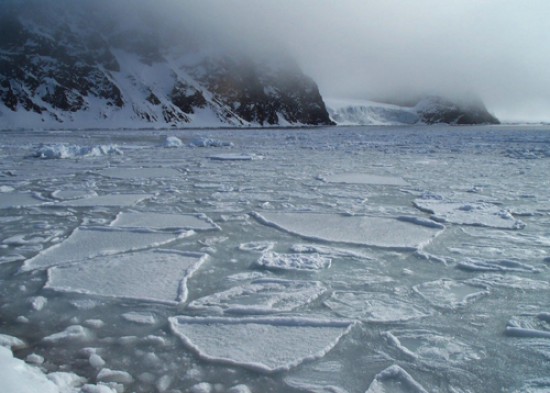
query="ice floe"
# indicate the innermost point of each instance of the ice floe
(450, 294)
(172, 141)
(153, 275)
(537, 325)
(261, 296)
(364, 178)
(309, 262)
(364, 230)
(73, 333)
(432, 348)
(89, 242)
(395, 380)
(118, 200)
(503, 265)
(163, 221)
(260, 343)
(11, 342)
(469, 213)
(541, 385)
(509, 281)
(236, 157)
(374, 307)
(19, 377)
(14, 200)
(64, 195)
(141, 173)
(209, 142)
(61, 150)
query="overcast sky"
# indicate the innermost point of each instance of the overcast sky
(498, 50)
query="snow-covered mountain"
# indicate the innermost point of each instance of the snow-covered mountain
(92, 64)
(427, 110)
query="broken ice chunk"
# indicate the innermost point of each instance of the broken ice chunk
(395, 380)
(364, 230)
(89, 242)
(261, 296)
(152, 220)
(450, 294)
(374, 307)
(159, 276)
(260, 343)
(277, 261)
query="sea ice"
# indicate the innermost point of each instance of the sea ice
(108, 375)
(61, 150)
(261, 296)
(374, 307)
(364, 178)
(469, 213)
(509, 281)
(363, 230)
(432, 348)
(15, 200)
(277, 261)
(19, 377)
(172, 141)
(89, 242)
(235, 157)
(72, 194)
(263, 344)
(141, 173)
(163, 221)
(503, 265)
(537, 325)
(541, 385)
(11, 342)
(395, 380)
(71, 333)
(141, 318)
(450, 294)
(117, 200)
(209, 142)
(153, 275)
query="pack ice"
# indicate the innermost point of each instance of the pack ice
(89, 242)
(266, 344)
(398, 233)
(153, 275)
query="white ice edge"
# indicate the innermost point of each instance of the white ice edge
(27, 265)
(181, 296)
(346, 325)
(419, 246)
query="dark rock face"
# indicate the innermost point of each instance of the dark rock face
(434, 109)
(61, 62)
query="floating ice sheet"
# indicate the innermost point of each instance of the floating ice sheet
(385, 232)
(469, 213)
(262, 344)
(154, 275)
(261, 296)
(89, 242)
(503, 265)
(10, 200)
(432, 348)
(450, 294)
(235, 157)
(308, 262)
(395, 380)
(118, 200)
(537, 325)
(364, 178)
(73, 194)
(141, 173)
(541, 385)
(374, 307)
(152, 220)
(509, 281)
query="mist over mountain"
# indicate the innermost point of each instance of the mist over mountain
(131, 64)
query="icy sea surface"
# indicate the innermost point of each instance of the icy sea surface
(360, 259)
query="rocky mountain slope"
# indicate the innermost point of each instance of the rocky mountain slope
(77, 64)
(427, 110)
